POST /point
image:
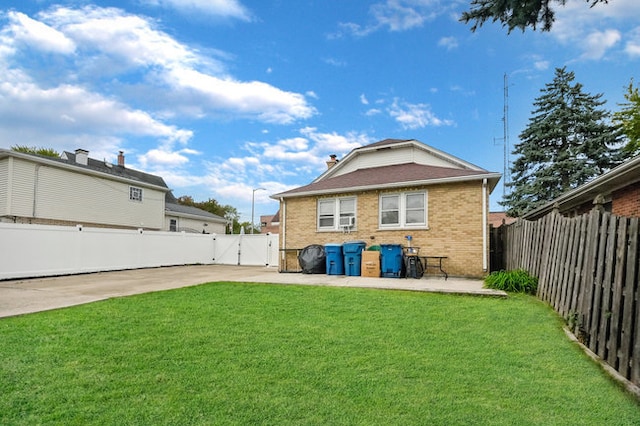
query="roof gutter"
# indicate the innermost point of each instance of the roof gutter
(429, 182)
(196, 217)
(617, 173)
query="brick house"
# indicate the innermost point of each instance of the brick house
(618, 191)
(270, 224)
(385, 191)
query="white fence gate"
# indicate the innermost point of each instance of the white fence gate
(43, 250)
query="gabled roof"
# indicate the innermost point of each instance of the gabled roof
(394, 176)
(377, 166)
(93, 167)
(388, 146)
(194, 212)
(172, 206)
(114, 170)
(619, 177)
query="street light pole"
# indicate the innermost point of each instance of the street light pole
(253, 198)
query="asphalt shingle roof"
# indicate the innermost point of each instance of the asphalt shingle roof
(114, 170)
(384, 175)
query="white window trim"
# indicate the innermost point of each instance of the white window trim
(336, 214)
(402, 211)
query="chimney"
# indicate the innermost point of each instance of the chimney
(121, 158)
(333, 161)
(82, 156)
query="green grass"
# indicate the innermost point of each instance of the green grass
(264, 354)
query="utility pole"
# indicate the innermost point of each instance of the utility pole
(253, 198)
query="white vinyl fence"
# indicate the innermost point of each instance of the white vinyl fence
(43, 250)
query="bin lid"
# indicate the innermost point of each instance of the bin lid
(359, 243)
(333, 245)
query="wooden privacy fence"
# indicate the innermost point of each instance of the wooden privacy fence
(587, 268)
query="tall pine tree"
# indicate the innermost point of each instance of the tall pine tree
(569, 140)
(629, 120)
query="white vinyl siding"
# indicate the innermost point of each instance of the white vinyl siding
(403, 210)
(21, 179)
(330, 210)
(70, 196)
(408, 154)
(4, 186)
(194, 225)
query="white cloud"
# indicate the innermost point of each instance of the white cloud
(415, 116)
(363, 99)
(597, 43)
(222, 8)
(38, 35)
(155, 157)
(335, 62)
(130, 39)
(110, 43)
(595, 30)
(69, 109)
(254, 98)
(632, 46)
(302, 157)
(396, 15)
(400, 15)
(541, 65)
(449, 43)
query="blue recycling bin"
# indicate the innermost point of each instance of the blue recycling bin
(391, 260)
(353, 257)
(335, 259)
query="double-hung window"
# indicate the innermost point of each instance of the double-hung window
(336, 213)
(403, 210)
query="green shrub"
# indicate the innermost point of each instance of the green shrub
(516, 281)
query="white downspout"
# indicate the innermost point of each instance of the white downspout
(485, 253)
(283, 237)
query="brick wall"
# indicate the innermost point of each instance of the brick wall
(454, 217)
(626, 201)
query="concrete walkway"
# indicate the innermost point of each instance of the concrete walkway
(40, 294)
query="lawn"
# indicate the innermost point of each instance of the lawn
(270, 354)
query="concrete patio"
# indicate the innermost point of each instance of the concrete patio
(25, 296)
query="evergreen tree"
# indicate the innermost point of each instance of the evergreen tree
(629, 120)
(515, 13)
(567, 142)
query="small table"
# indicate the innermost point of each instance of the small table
(287, 254)
(434, 262)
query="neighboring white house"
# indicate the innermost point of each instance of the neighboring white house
(75, 189)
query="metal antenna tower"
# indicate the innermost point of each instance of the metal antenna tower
(506, 178)
(505, 120)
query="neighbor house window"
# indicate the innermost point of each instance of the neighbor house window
(173, 225)
(403, 210)
(336, 213)
(135, 194)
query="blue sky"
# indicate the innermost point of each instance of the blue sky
(224, 96)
